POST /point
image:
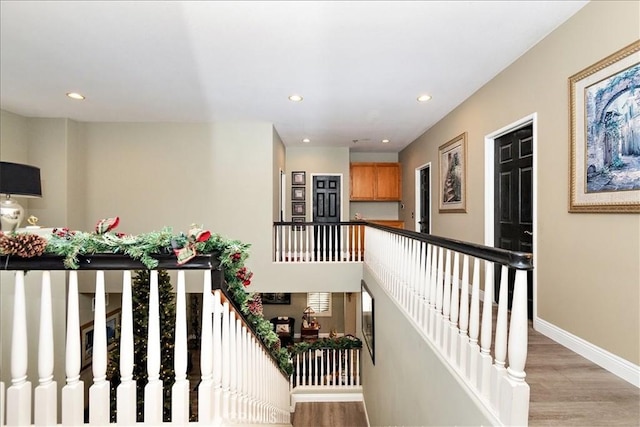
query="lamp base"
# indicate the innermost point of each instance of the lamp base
(11, 214)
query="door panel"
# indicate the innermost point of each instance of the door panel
(514, 201)
(425, 200)
(326, 210)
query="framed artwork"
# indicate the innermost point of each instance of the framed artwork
(298, 178)
(86, 336)
(298, 219)
(452, 162)
(605, 134)
(368, 319)
(298, 193)
(298, 208)
(276, 298)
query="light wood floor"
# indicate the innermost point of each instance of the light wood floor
(569, 390)
(329, 414)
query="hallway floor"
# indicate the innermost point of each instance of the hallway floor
(569, 390)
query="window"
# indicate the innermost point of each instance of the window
(320, 302)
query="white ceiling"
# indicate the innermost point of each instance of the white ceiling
(359, 65)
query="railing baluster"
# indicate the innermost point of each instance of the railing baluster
(439, 296)
(226, 361)
(19, 392)
(206, 404)
(126, 391)
(453, 316)
(73, 391)
(464, 317)
(45, 396)
(446, 303)
(153, 403)
(486, 331)
(99, 392)
(433, 291)
(180, 389)
(500, 350)
(514, 396)
(474, 326)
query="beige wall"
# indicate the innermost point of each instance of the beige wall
(586, 264)
(395, 390)
(318, 160)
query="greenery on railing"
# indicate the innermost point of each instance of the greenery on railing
(144, 247)
(340, 343)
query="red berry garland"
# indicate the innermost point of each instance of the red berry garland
(244, 276)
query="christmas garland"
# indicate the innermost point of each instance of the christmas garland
(144, 247)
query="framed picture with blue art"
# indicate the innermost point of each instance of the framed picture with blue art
(605, 134)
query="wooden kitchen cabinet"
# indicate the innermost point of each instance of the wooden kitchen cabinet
(375, 182)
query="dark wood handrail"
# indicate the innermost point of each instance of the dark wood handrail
(107, 262)
(512, 259)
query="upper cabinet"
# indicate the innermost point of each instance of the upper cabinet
(376, 182)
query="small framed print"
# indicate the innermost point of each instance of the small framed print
(298, 193)
(298, 178)
(298, 208)
(298, 219)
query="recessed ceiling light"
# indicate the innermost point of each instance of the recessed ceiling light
(295, 98)
(75, 95)
(424, 98)
(385, 141)
(306, 140)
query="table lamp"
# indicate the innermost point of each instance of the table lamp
(16, 180)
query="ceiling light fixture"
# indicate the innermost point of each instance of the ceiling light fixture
(75, 95)
(385, 141)
(424, 98)
(295, 98)
(306, 140)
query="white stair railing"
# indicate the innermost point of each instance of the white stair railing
(326, 369)
(426, 271)
(313, 242)
(227, 394)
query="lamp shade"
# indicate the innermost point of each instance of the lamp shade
(20, 180)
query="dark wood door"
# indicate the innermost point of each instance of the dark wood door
(514, 201)
(326, 211)
(425, 200)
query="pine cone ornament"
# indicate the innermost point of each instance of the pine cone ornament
(22, 245)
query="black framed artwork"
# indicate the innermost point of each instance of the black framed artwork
(368, 318)
(298, 178)
(298, 194)
(276, 298)
(298, 208)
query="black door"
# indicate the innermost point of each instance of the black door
(514, 201)
(326, 212)
(425, 200)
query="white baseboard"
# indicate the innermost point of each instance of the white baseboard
(609, 361)
(330, 396)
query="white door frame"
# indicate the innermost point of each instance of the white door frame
(418, 198)
(489, 160)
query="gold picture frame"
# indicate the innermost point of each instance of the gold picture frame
(452, 168)
(604, 135)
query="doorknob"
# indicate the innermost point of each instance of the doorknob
(528, 232)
